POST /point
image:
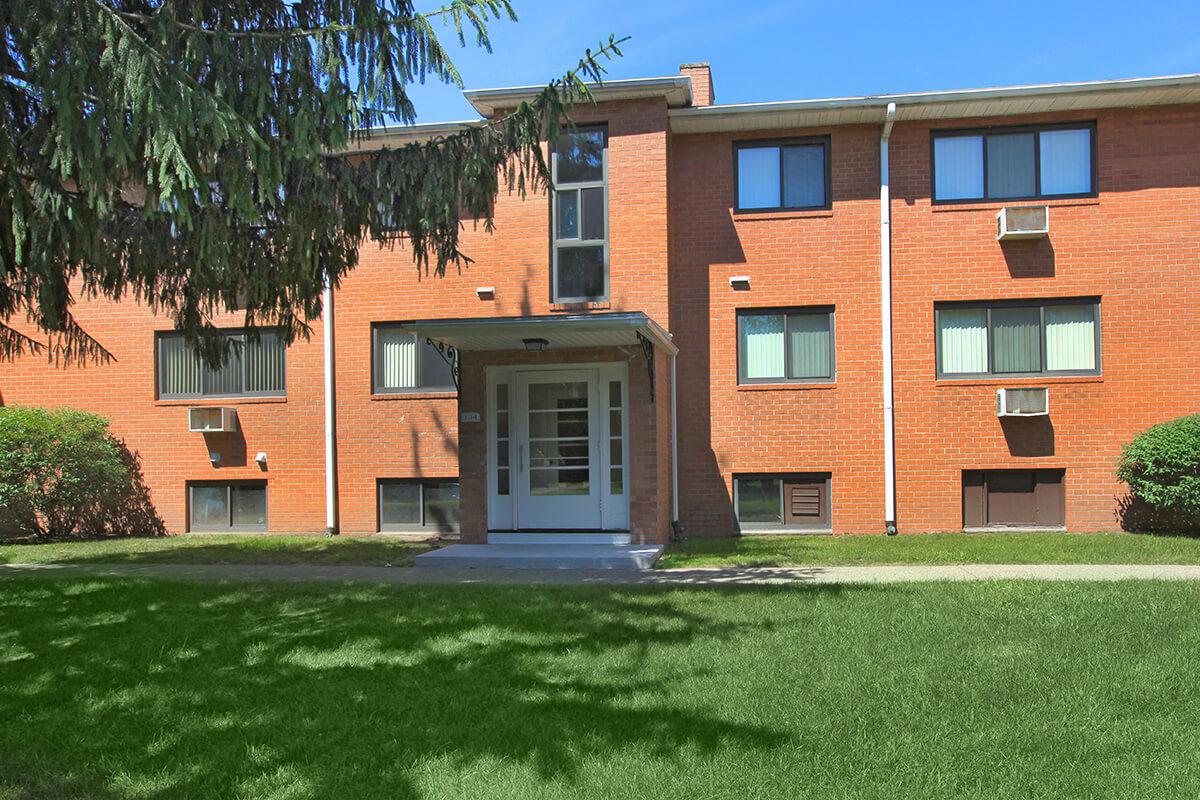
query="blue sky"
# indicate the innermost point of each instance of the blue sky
(791, 49)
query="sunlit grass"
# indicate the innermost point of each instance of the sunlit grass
(118, 688)
(221, 549)
(935, 548)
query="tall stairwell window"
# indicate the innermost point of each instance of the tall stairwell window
(580, 215)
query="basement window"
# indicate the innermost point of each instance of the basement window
(418, 505)
(764, 503)
(227, 506)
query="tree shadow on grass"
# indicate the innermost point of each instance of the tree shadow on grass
(186, 690)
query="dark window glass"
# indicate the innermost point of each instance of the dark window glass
(581, 271)
(441, 505)
(1016, 339)
(759, 500)
(804, 176)
(593, 213)
(1011, 165)
(400, 503)
(580, 156)
(210, 507)
(568, 213)
(249, 505)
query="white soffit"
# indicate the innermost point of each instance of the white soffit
(562, 332)
(957, 104)
(677, 89)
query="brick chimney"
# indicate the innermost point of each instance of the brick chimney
(702, 84)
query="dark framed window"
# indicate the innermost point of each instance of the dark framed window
(251, 369)
(227, 506)
(781, 174)
(418, 505)
(795, 501)
(1014, 498)
(579, 215)
(1021, 337)
(1014, 163)
(402, 363)
(792, 345)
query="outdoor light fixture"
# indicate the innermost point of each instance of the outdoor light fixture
(740, 283)
(535, 345)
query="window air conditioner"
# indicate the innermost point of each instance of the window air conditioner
(1022, 402)
(212, 420)
(1022, 222)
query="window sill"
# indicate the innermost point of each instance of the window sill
(444, 394)
(582, 305)
(1023, 380)
(776, 387)
(220, 401)
(786, 531)
(939, 206)
(755, 216)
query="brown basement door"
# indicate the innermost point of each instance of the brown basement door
(1013, 498)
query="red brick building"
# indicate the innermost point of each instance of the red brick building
(718, 322)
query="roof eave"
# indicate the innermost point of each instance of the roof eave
(676, 89)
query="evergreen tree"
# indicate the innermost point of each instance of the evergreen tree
(190, 154)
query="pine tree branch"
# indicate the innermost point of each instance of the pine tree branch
(456, 9)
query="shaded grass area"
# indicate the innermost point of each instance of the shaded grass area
(117, 688)
(935, 548)
(221, 549)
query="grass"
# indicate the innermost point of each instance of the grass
(221, 549)
(935, 548)
(119, 688)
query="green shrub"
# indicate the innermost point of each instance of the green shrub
(1162, 467)
(62, 473)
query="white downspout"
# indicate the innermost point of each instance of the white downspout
(674, 453)
(885, 286)
(331, 519)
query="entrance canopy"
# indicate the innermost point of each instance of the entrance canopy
(559, 331)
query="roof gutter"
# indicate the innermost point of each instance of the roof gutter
(885, 294)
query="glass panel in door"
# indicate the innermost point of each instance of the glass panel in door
(559, 439)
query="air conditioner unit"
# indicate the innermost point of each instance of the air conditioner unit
(1022, 222)
(1022, 402)
(212, 420)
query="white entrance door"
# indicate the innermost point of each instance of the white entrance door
(557, 435)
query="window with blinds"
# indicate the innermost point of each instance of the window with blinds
(404, 364)
(1024, 163)
(1044, 337)
(254, 367)
(785, 346)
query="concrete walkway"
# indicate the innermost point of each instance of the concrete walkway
(715, 576)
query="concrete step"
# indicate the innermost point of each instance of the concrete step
(558, 538)
(542, 556)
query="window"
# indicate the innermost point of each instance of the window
(403, 364)
(1013, 498)
(782, 501)
(781, 175)
(251, 368)
(786, 346)
(1014, 163)
(228, 506)
(1044, 337)
(430, 505)
(580, 215)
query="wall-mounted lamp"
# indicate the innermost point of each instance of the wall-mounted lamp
(740, 283)
(261, 458)
(215, 458)
(485, 292)
(535, 345)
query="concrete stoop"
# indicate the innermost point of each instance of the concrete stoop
(539, 555)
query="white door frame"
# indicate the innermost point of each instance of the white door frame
(504, 510)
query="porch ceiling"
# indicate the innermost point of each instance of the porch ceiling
(561, 331)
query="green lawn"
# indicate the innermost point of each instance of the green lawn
(935, 548)
(113, 688)
(218, 549)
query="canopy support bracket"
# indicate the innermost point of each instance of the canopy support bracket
(648, 349)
